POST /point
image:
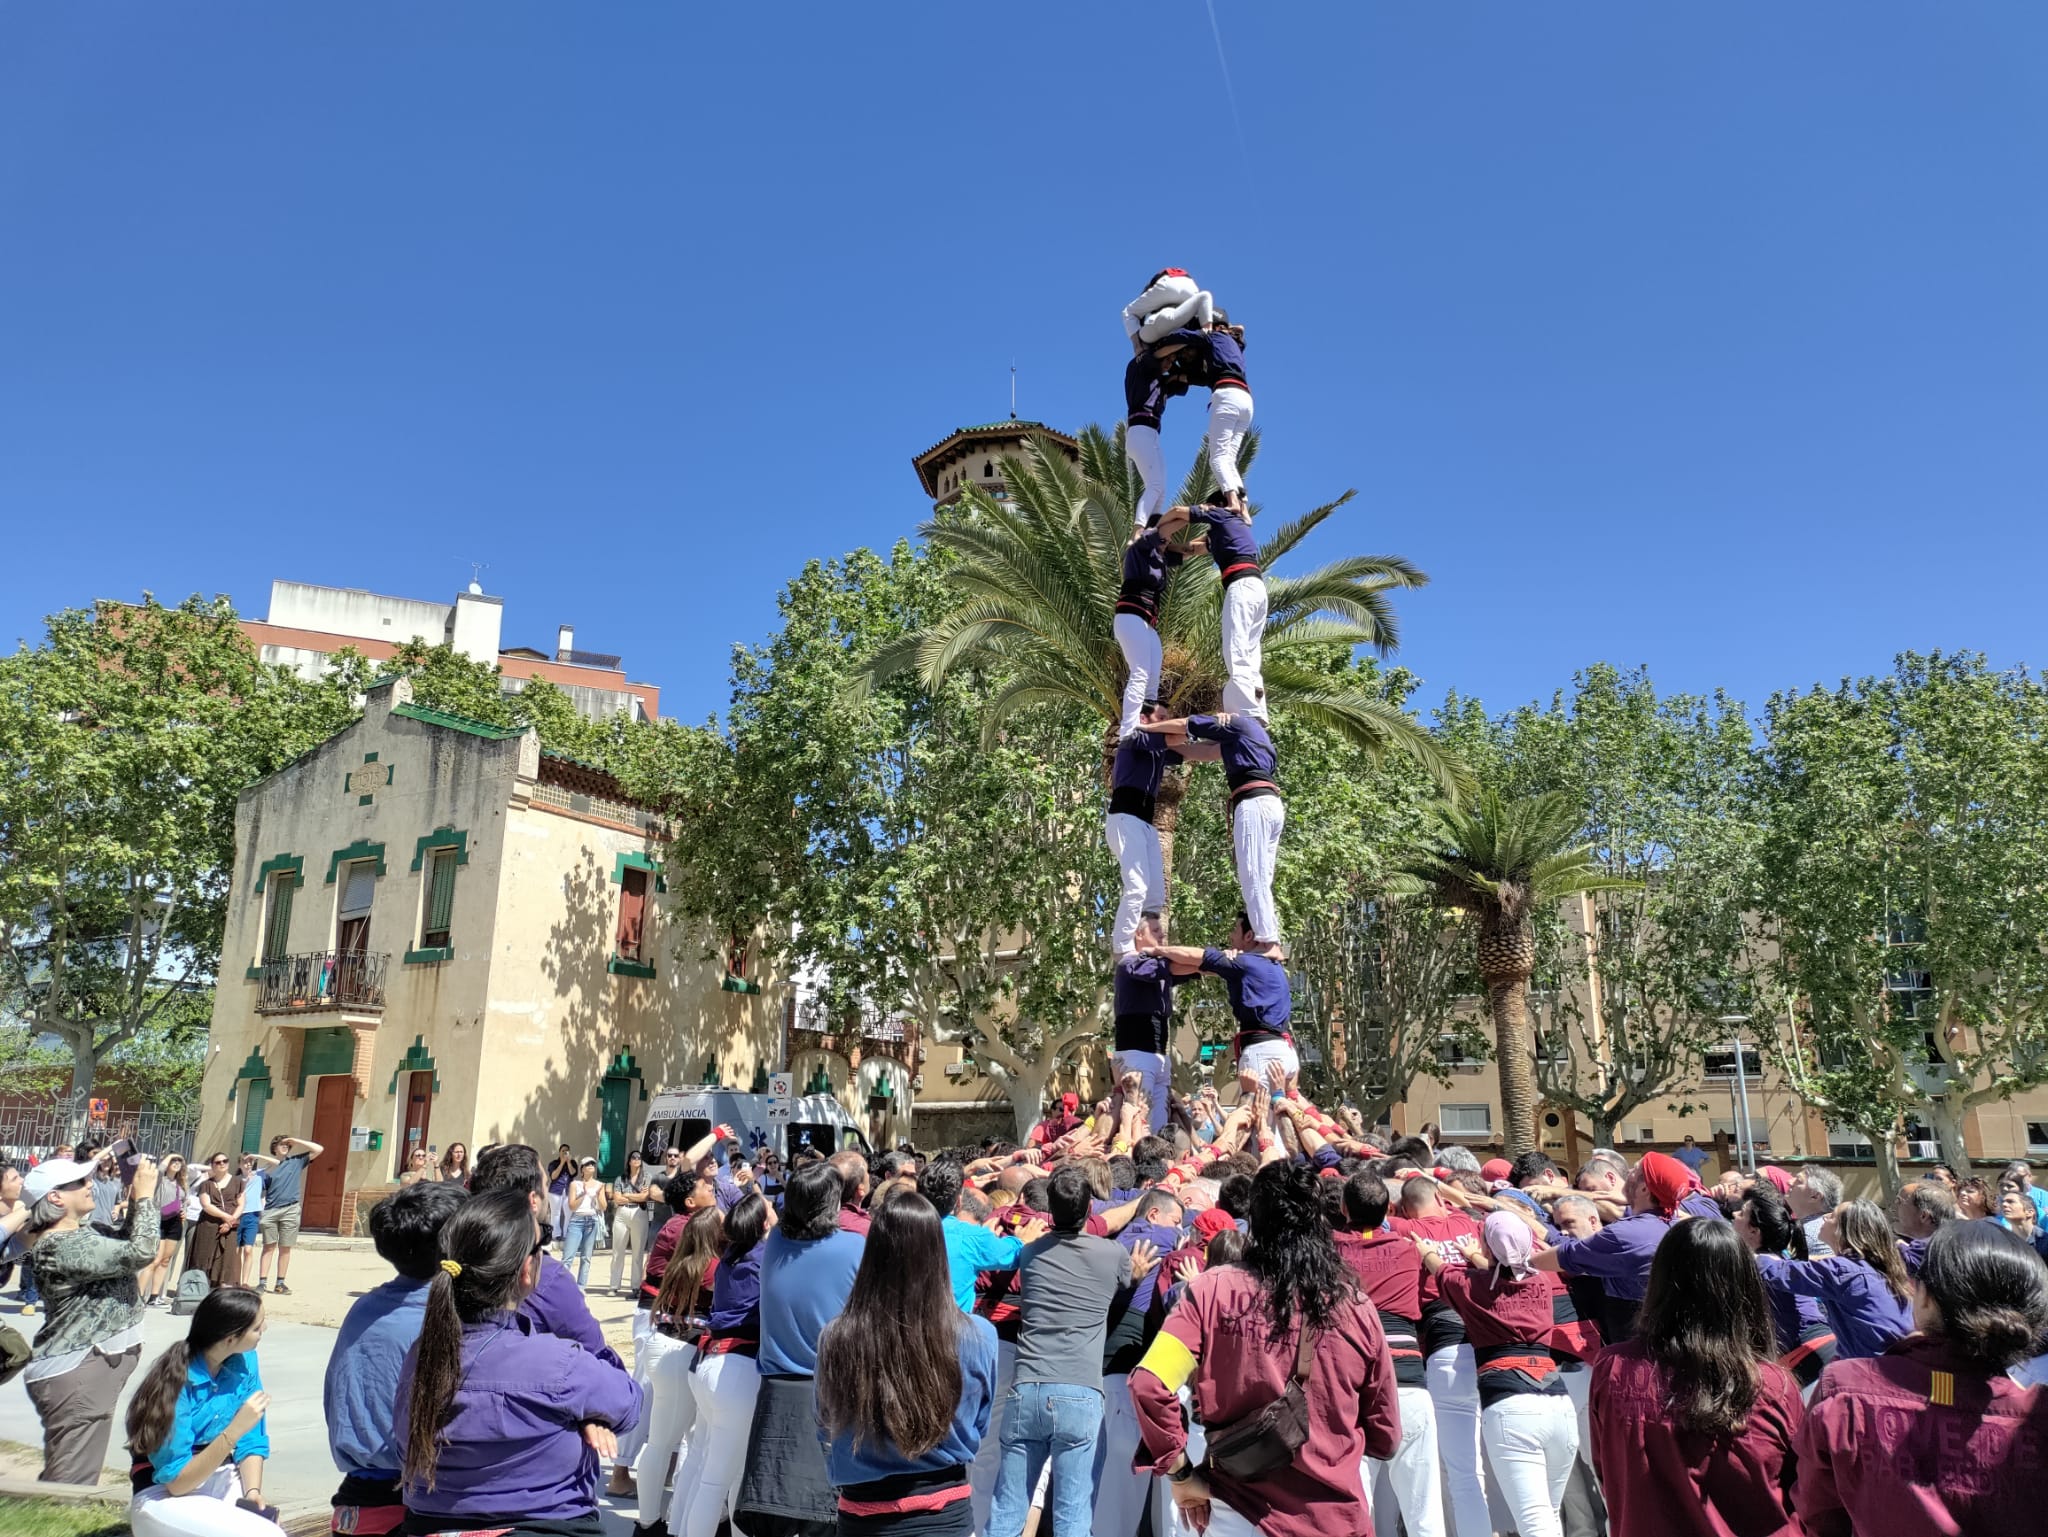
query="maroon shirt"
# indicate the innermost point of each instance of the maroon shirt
(854, 1219)
(1218, 1342)
(1509, 1322)
(659, 1253)
(1390, 1270)
(1664, 1481)
(1916, 1443)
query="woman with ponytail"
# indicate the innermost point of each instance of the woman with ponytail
(726, 1377)
(663, 1363)
(1235, 1340)
(1693, 1422)
(196, 1429)
(500, 1425)
(1805, 1338)
(1933, 1437)
(1860, 1283)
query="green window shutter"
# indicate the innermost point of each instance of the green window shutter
(279, 934)
(440, 899)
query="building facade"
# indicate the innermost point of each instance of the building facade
(438, 932)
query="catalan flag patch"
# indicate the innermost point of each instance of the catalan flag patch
(1941, 1389)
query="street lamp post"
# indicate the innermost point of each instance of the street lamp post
(1745, 1133)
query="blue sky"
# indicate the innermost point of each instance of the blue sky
(1708, 337)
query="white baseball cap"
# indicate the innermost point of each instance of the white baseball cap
(52, 1173)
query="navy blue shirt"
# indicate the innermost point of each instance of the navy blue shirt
(1248, 752)
(1148, 385)
(1142, 759)
(1214, 359)
(1148, 563)
(1231, 544)
(1142, 990)
(1259, 995)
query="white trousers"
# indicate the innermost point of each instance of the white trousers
(1158, 1074)
(1532, 1439)
(1141, 447)
(1578, 1387)
(669, 1409)
(726, 1387)
(629, 1231)
(1168, 305)
(1225, 1522)
(988, 1461)
(1453, 1379)
(1135, 844)
(1244, 646)
(1144, 659)
(1119, 1491)
(1230, 418)
(1412, 1476)
(208, 1511)
(648, 1353)
(1255, 827)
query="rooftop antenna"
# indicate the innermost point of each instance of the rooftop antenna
(1013, 392)
(476, 577)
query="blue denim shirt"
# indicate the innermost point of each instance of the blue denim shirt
(206, 1404)
(361, 1392)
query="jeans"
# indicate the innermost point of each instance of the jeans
(1453, 1378)
(981, 1473)
(29, 1295)
(1532, 1440)
(1244, 646)
(576, 1247)
(1041, 1420)
(1135, 843)
(1412, 1475)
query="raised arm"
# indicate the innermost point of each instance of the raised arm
(1185, 960)
(302, 1145)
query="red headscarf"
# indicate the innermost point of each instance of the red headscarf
(1777, 1176)
(1213, 1221)
(1667, 1180)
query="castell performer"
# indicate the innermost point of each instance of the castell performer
(1260, 1000)
(1150, 560)
(1236, 554)
(1142, 759)
(1257, 813)
(1171, 300)
(1216, 358)
(1142, 990)
(1149, 382)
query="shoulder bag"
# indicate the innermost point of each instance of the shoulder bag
(1267, 1439)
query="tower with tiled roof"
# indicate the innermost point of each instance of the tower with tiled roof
(973, 456)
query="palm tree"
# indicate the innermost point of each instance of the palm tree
(1503, 859)
(1037, 572)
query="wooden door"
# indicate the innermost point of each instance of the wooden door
(419, 1108)
(333, 1108)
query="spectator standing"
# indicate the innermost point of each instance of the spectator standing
(1692, 1155)
(1240, 1335)
(455, 1164)
(1693, 1423)
(90, 1343)
(249, 1222)
(170, 1201)
(215, 1249)
(284, 1184)
(807, 1272)
(14, 1215)
(560, 1173)
(727, 1376)
(2021, 1173)
(1918, 1211)
(1812, 1195)
(418, 1166)
(584, 1202)
(2015, 1214)
(1066, 1280)
(1974, 1200)
(853, 1191)
(1881, 1451)
(659, 1210)
(197, 1424)
(109, 1206)
(630, 1194)
(492, 1412)
(360, 1395)
(904, 1385)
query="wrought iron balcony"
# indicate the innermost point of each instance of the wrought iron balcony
(855, 1037)
(324, 981)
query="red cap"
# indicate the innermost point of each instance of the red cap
(1070, 1102)
(1213, 1221)
(1496, 1168)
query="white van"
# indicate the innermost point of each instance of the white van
(682, 1117)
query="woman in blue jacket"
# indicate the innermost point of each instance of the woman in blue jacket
(197, 1422)
(905, 1382)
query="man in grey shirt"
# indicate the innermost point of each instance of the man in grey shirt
(1067, 1281)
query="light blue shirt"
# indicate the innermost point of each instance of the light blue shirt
(361, 1393)
(971, 1249)
(804, 1286)
(206, 1404)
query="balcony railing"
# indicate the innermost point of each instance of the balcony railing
(325, 980)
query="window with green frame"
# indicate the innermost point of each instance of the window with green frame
(277, 922)
(437, 921)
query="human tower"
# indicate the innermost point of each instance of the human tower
(1180, 341)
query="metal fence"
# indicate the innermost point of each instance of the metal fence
(32, 1130)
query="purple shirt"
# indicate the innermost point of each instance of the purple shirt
(513, 1443)
(1141, 761)
(1248, 752)
(1142, 990)
(1618, 1257)
(556, 1306)
(1149, 561)
(736, 1296)
(1857, 1300)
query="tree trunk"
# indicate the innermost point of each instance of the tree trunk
(1173, 789)
(1026, 1089)
(1507, 959)
(1947, 1121)
(1885, 1145)
(84, 1068)
(1603, 1131)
